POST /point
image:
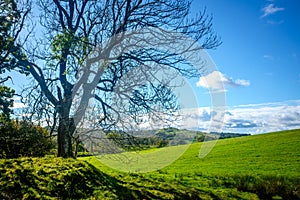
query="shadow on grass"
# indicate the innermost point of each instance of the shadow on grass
(52, 178)
(140, 188)
(32, 178)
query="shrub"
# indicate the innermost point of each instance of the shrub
(22, 138)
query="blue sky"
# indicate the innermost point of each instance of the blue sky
(261, 45)
(259, 63)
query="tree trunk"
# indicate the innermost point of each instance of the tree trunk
(77, 142)
(65, 131)
(64, 139)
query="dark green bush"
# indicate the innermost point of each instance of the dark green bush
(22, 138)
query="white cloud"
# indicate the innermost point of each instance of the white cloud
(241, 82)
(18, 104)
(216, 81)
(270, 9)
(252, 118)
(265, 117)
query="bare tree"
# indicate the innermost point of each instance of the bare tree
(86, 48)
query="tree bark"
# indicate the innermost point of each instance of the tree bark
(65, 130)
(64, 139)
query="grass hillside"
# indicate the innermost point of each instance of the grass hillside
(254, 167)
(266, 154)
(262, 166)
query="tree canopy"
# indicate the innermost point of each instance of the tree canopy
(86, 48)
(6, 102)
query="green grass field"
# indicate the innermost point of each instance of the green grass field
(266, 154)
(265, 166)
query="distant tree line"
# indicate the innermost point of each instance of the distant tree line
(165, 137)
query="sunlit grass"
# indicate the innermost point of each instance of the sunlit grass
(255, 167)
(261, 166)
(143, 161)
(273, 153)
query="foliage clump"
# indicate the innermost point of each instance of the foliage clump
(6, 101)
(23, 138)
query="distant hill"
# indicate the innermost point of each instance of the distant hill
(165, 137)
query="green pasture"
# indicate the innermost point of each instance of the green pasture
(265, 154)
(262, 166)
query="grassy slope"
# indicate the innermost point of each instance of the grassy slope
(266, 154)
(259, 166)
(274, 153)
(262, 166)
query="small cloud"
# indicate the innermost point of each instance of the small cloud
(240, 123)
(19, 105)
(205, 116)
(268, 57)
(275, 22)
(215, 81)
(270, 9)
(241, 82)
